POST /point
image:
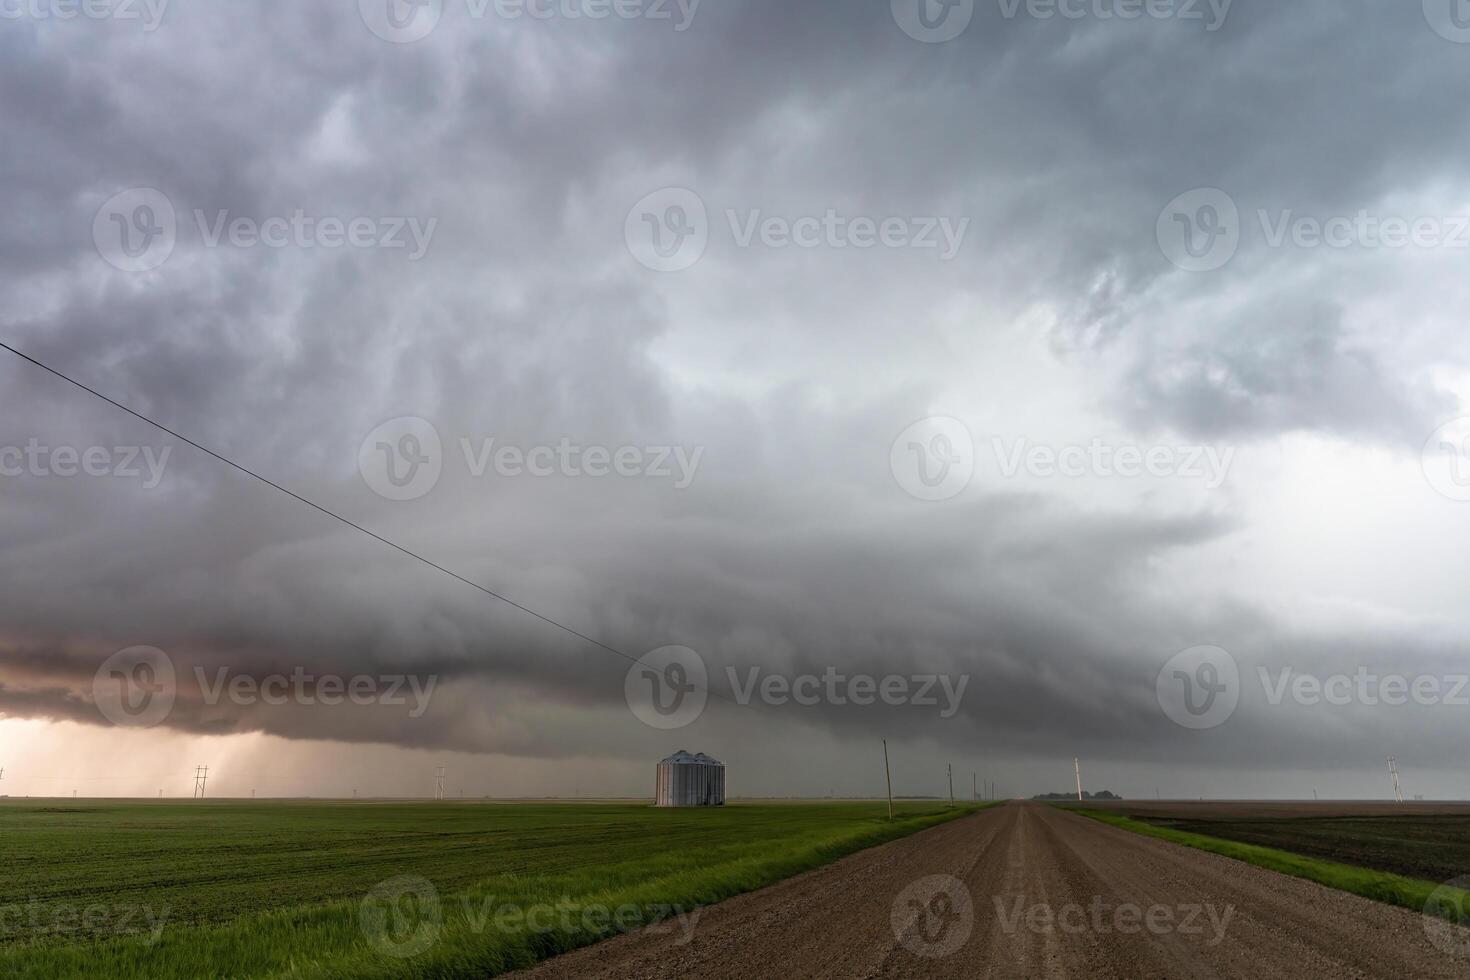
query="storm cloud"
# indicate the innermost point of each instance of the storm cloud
(366, 228)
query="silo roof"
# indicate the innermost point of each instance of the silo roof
(683, 758)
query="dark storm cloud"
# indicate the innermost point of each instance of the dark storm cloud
(527, 320)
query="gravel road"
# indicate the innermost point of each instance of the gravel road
(1028, 891)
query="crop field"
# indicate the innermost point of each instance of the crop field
(449, 889)
(1428, 841)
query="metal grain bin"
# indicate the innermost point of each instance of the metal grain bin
(690, 780)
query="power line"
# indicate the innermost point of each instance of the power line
(332, 514)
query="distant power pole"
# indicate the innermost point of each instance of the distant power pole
(951, 785)
(1393, 772)
(201, 776)
(975, 786)
(1077, 768)
(439, 783)
(888, 777)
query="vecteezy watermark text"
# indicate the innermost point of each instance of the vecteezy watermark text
(403, 917)
(36, 459)
(331, 690)
(403, 459)
(137, 230)
(937, 21)
(97, 921)
(1200, 688)
(407, 21)
(669, 230)
(1102, 918)
(935, 459)
(1201, 230)
(138, 688)
(834, 687)
(668, 688)
(148, 12)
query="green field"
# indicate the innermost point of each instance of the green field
(243, 889)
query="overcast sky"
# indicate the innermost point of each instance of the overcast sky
(1005, 348)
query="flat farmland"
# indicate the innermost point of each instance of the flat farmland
(1429, 841)
(450, 889)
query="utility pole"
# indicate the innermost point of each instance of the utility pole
(1393, 772)
(201, 776)
(439, 783)
(974, 786)
(951, 785)
(888, 777)
(1077, 767)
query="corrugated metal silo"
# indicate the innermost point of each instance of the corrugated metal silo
(690, 780)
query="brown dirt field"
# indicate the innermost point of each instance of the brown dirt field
(1275, 809)
(1032, 891)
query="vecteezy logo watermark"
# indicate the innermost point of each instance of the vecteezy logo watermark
(406, 21)
(836, 688)
(135, 687)
(135, 230)
(1199, 688)
(1447, 918)
(933, 917)
(669, 230)
(933, 459)
(402, 459)
(1446, 460)
(933, 21)
(1100, 919)
(401, 21)
(667, 688)
(149, 12)
(1211, 12)
(1199, 231)
(93, 922)
(122, 462)
(401, 917)
(1450, 19)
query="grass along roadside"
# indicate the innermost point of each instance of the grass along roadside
(1428, 897)
(416, 915)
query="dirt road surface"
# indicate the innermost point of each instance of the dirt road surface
(1028, 891)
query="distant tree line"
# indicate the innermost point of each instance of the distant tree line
(1104, 795)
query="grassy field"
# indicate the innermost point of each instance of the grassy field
(1378, 836)
(235, 889)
